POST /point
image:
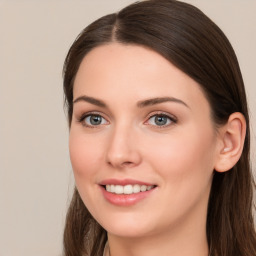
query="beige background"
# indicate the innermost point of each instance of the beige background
(35, 173)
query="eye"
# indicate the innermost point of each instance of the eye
(161, 120)
(93, 120)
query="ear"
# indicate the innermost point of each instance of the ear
(231, 142)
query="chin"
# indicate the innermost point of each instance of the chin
(128, 227)
(128, 232)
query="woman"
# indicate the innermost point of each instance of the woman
(159, 137)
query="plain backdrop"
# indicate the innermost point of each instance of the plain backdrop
(35, 173)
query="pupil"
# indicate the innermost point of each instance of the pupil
(161, 120)
(95, 120)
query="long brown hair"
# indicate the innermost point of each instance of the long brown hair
(194, 44)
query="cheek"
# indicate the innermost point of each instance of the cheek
(184, 156)
(185, 164)
(85, 155)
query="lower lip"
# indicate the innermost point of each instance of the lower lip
(123, 199)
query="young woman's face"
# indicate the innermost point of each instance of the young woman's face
(138, 124)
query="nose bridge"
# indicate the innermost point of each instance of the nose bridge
(123, 151)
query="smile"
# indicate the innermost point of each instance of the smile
(127, 189)
(126, 192)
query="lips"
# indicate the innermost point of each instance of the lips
(125, 192)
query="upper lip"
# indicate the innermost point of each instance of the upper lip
(124, 182)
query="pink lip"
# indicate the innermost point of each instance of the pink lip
(124, 182)
(123, 199)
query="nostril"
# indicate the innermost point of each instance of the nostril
(127, 163)
(124, 164)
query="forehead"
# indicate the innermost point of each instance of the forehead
(117, 71)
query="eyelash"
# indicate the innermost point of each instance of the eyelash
(82, 118)
(172, 119)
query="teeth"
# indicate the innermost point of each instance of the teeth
(149, 187)
(127, 189)
(119, 189)
(112, 188)
(143, 188)
(136, 188)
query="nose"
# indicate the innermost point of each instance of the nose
(123, 149)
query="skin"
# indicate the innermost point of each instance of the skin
(179, 157)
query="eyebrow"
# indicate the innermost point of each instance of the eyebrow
(91, 100)
(154, 101)
(140, 104)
